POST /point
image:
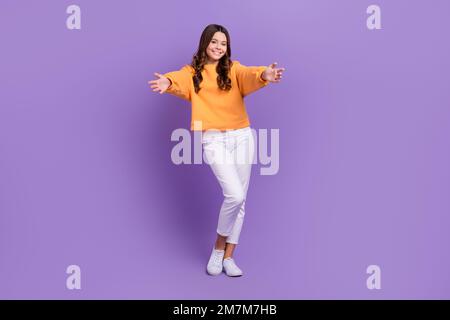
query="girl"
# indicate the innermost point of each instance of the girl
(216, 86)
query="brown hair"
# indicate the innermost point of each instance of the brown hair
(200, 59)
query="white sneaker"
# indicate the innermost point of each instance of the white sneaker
(215, 266)
(231, 269)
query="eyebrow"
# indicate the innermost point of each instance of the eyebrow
(218, 40)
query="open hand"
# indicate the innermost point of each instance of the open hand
(272, 73)
(161, 84)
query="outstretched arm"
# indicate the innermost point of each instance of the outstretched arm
(177, 83)
(253, 78)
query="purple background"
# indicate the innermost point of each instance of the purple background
(86, 176)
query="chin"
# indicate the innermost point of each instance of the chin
(213, 58)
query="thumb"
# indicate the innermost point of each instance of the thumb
(158, 75)
(273, 65)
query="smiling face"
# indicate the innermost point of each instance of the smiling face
(217, 47)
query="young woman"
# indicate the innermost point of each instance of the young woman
(216, 86)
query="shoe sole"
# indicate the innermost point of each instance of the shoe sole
(233, 276)
(213, 274)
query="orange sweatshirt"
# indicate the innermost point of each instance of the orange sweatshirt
(215, 108)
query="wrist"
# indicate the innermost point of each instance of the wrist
(262, 75)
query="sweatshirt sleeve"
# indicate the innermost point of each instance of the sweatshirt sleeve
(180, 82)
(249, 78)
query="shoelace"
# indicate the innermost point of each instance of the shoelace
(231, 261)
(217, 258)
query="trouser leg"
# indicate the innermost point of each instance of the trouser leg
(245, 150)
(219, 159)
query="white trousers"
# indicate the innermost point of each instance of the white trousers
(230, 155)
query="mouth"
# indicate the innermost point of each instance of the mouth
(217, 53)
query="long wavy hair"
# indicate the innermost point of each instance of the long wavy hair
(200, 59)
